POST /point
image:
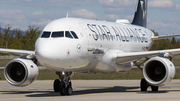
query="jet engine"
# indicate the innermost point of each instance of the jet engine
(20, 72)
(158, 71)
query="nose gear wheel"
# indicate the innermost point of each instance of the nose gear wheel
(63, 86)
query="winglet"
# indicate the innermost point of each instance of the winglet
(140, 17)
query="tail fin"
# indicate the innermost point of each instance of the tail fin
(140, 17)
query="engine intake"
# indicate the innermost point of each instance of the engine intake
(20, 72)
(158, 71)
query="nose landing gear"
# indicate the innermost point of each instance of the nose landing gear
(63, 85)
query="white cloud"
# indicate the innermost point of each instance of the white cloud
(18, 19)
(115, 3)
(50, 4)
(83, 13)
(148, 20)
(129, 17)
(47, 10)
(106, 2)
(41, 23)
(28, 0)
(165, 27)
(10, 1)
(114, 10)
(160, 25)
(37, 13)
(161, 3)
(111, 17)
(14, 23)
(12, 14)
(15, 18)
(177, 7)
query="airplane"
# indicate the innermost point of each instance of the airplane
(69, 45)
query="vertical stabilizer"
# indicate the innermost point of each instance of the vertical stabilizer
(140, 17)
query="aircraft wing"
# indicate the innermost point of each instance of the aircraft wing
(163, 37)
(123, 58)
(16, 52)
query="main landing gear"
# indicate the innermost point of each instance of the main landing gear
(144, 85)
(63, 85)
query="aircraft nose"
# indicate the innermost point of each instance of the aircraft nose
(46, 51)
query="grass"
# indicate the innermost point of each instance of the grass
(176, 61)
(134, 74)
(3, 62)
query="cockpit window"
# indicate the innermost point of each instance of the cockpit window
(68, 35)
(45, 34)
(74, 34)
(57, 34)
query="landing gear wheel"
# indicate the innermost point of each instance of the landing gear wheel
(56, 85)
(62, 89)
(69, 90)
(65, 86)
(154, 88)
(144, 85)
(70, 84)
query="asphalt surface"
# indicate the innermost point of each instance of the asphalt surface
(90, 90)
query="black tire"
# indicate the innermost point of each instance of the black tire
(62, 89)
(154, 88)
(56, 85)
(70, 85)
(144, 85)
(69, 90)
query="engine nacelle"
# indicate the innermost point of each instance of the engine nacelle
(20, 72)
(158, 71)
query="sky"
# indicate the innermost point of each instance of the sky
(163, 15)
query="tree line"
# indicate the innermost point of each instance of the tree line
(162, 44)
(25, 40)
(17, 39)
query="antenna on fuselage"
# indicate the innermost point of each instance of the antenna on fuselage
(67, 15)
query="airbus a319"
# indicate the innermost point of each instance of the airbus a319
(71, 45)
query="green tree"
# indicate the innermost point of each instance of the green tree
(6, 35)
(31, 36)
(155, 33)
(164, 43)
(16, 39)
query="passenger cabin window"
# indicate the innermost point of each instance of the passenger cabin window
(68, 35)
(57, 34)
(46, 34)
(74, 34)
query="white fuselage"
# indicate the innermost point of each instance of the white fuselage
(95, 38)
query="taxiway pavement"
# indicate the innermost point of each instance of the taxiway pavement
(90, 90)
